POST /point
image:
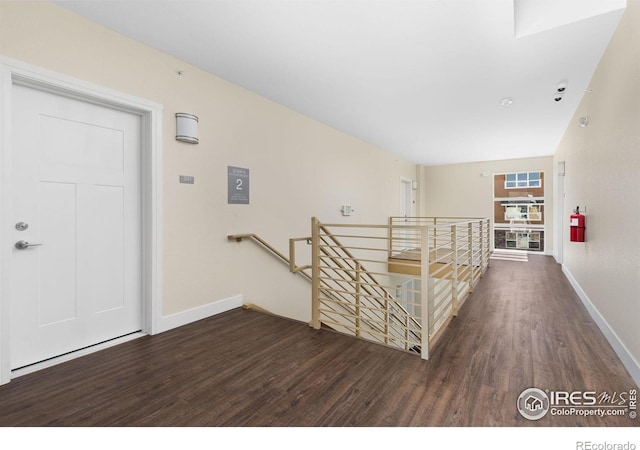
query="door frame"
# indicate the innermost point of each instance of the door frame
(406, 188)
(558, 242)
(16, 72)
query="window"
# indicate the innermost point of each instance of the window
(531, 212)
(534, 212)
(519, 180)
(523, 240)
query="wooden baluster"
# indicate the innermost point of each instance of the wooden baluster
(315, 273)
(358, 280)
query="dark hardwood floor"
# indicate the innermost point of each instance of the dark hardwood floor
(522, 327)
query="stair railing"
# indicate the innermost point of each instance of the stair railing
(444, 257)
(359, 310)
(376, 310)
(294, 268)
(379, 315)
(383, 282)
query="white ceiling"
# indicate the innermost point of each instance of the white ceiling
(422, 79)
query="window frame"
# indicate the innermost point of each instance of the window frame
(526, 216)
(523, 180)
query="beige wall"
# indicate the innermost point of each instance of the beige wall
(299, 168)
(602, 173)
(467, 189)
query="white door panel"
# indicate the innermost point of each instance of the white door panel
(76, 179)
(58, 211)
(404, 239)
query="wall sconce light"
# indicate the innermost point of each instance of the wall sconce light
(187, 128)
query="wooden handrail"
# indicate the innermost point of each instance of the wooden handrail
(293, 267)
(290, 262)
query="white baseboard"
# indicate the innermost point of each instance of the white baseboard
(630, 363)
(166, 324)
(73, 355)
(201, 312)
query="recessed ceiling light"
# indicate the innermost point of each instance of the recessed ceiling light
(507, 101)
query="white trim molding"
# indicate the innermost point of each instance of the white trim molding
(200, 312)
(16, 72)
(73, 355)
(629, 362)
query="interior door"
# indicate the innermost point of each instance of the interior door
(559, 222)
(406, 198)
(405, 239)
(76, 200)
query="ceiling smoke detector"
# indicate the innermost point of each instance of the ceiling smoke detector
(507, 101)
(583, 121)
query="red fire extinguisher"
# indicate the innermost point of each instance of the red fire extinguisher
(577, 226)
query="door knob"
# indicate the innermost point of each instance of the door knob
(21, 245)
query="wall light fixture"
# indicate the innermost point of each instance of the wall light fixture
(187, 128)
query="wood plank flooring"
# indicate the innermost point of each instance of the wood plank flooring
(522, 327)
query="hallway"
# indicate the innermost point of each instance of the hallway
(522, 327)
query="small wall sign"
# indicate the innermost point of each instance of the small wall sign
(237, 185)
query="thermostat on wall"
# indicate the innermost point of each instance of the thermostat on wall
(346, 210)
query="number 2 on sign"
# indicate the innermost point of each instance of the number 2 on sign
(238, 184)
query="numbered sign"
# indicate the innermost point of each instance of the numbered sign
(238, 185)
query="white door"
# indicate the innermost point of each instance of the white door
(76, 192)
(406, 239)
(406, 198)
(559, 221)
